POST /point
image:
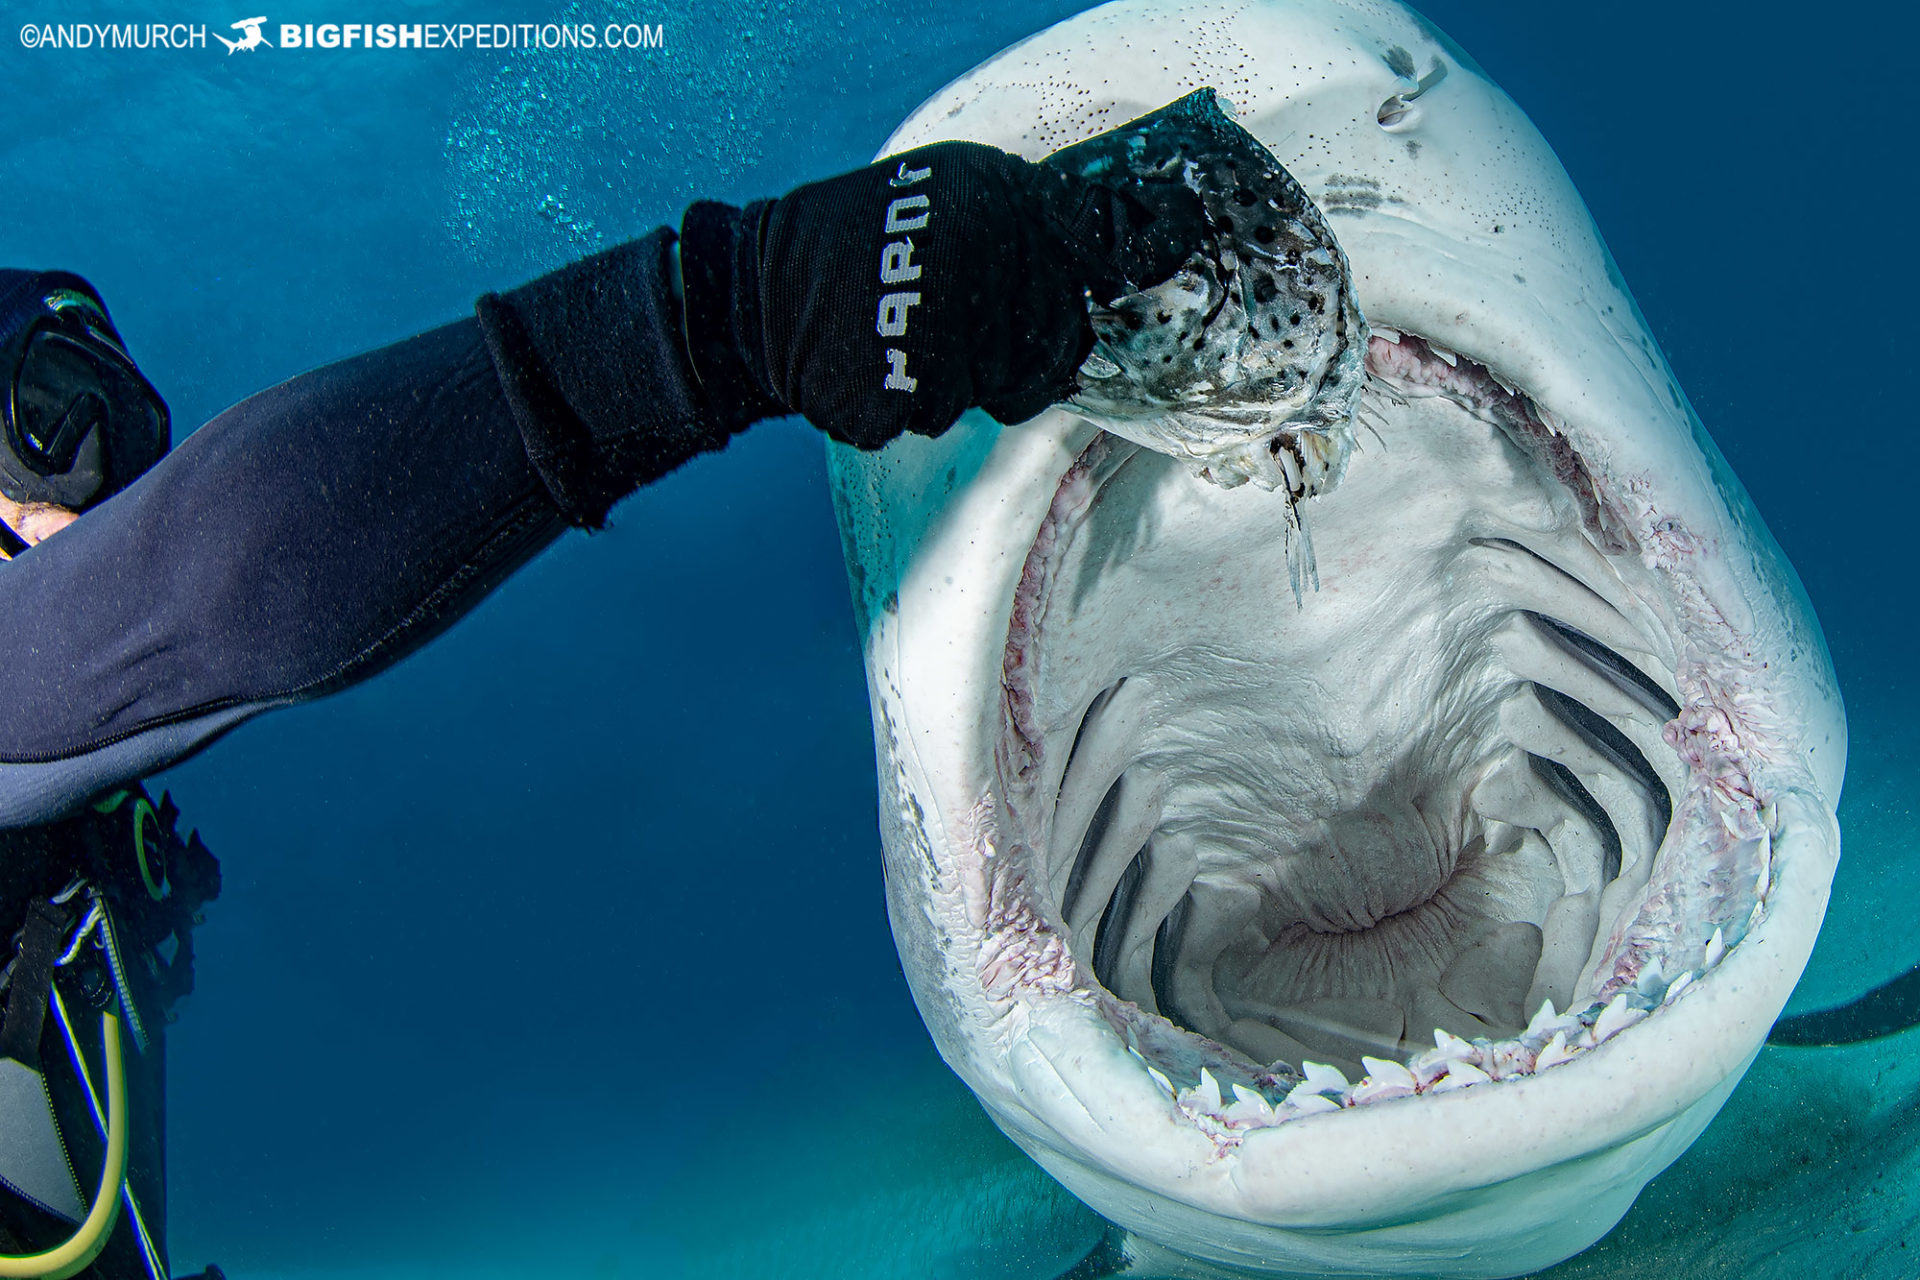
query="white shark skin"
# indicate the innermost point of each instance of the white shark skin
(1493, 1180)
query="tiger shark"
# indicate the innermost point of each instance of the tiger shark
(1388, 867)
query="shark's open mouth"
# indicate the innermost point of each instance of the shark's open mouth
(1459, 816)
(1400, 919)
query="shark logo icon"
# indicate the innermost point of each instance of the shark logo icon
(247, 43)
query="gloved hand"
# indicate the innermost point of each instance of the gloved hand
(894, 297)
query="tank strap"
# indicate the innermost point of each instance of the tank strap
(44, 934)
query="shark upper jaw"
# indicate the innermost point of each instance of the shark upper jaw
(985, 659)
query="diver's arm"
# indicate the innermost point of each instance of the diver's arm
(323, 529)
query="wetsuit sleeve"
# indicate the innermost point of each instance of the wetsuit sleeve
(322, 530)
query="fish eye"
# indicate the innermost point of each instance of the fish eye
(1396, 114)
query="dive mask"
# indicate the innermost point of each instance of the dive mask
(78, 420)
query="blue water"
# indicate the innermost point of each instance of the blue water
(560, 950)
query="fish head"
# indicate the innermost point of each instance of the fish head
(1386, 879)
(1250, 359)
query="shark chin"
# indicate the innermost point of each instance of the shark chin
(1407, 921)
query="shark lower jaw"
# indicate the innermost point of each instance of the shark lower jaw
(1459, 842)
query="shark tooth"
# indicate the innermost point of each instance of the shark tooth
(1543, 1022)
(1385, 1079)
(1206, 1094)
(1716, 948)
(1615, 1018)
(1322, 1078)
(1248, 1108)
(1555, 1052)
(1459, 1076)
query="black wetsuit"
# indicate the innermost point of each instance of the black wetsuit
(321, 530)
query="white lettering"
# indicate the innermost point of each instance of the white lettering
(896, 224)
(907, 177)
(896, 263)
(634, 35)
(891, 321)
(897, 379)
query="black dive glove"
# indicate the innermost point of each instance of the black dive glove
(892, 298)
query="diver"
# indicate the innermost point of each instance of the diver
(316, 533)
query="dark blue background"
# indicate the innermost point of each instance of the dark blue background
(532, 930)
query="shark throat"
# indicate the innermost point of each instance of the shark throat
(1404, 836)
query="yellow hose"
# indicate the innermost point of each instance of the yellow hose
(85, 1244)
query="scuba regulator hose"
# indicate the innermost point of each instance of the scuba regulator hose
(84, 1245)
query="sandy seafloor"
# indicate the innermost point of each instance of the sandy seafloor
(560, 950)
